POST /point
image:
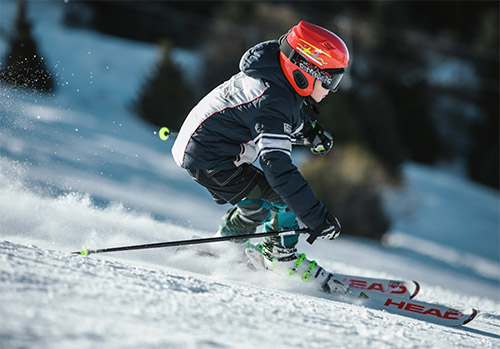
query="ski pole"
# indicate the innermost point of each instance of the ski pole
(85, 252)
(164, 133)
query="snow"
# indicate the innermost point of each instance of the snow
(78, 168)
(91, 301)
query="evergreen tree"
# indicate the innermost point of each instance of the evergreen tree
(165, 98)
(483, 157)
(25, 67)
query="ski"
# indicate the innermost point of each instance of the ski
(404, 289)
(392, 296)
(394, 304)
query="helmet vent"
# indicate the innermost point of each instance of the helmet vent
(328, 46)
(300, 79)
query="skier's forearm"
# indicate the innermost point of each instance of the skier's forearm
(286, 180)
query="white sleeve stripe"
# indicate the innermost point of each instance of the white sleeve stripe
(271, 136)
(283, 143)
(270, 150)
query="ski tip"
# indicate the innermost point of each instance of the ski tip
(417, 289)
(471, 317)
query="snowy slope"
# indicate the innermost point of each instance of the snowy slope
(72, 301)
(79, 168)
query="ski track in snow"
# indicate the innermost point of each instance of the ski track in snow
(79, 168)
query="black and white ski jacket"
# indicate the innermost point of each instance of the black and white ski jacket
(254, 115)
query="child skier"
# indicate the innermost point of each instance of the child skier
(256, 115)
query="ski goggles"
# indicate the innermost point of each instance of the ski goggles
(330, 78)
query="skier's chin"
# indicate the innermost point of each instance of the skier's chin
(319, 99)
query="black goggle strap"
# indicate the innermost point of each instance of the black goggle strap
(330, 79)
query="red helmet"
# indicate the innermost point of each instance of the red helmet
(309, 52)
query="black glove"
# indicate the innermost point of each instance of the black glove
(329, 229)
(319, 139)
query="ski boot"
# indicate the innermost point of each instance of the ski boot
(286, 261)
(233, 224)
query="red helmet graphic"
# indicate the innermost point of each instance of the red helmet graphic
(309, 52)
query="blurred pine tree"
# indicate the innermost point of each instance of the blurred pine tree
(25, 67)
(348, 182)
(165, 97)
